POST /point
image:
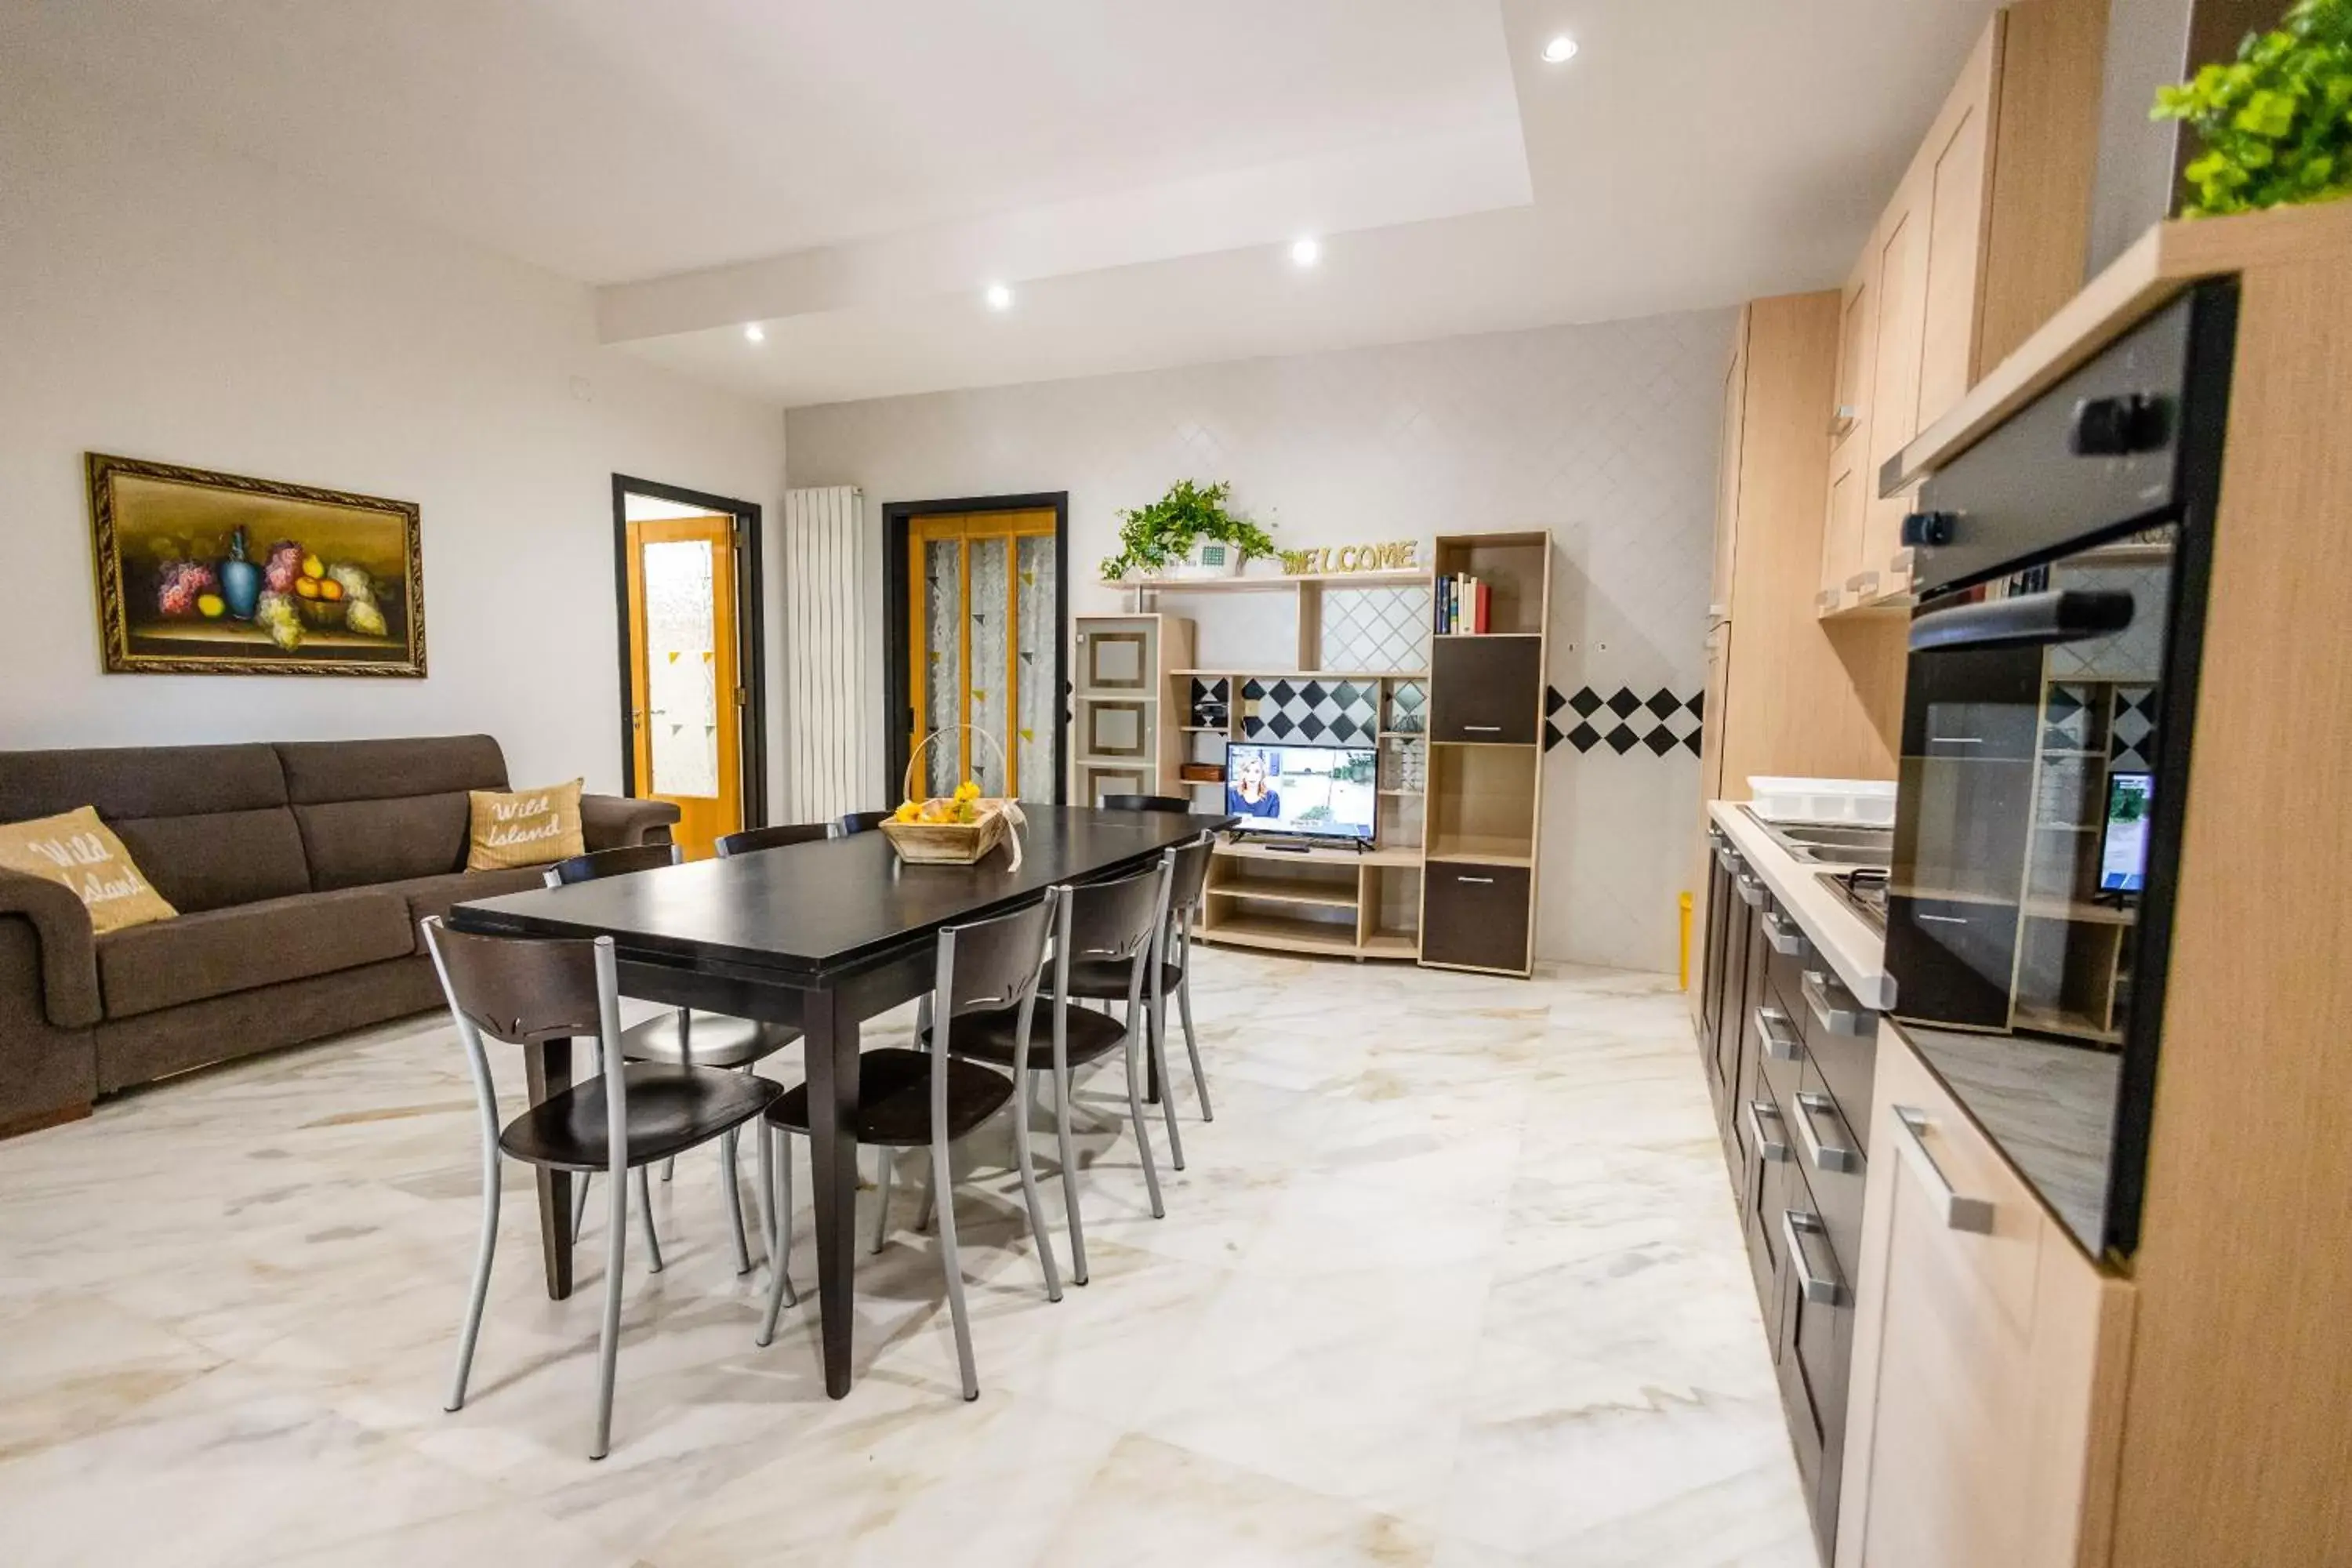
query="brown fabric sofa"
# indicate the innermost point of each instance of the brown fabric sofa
(301, 871)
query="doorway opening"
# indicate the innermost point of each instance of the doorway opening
(687, 578)
(977, 601)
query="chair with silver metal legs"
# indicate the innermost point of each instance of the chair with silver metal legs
(1120, 923)
(525, 992)
(1106, 980)
(911, 1098)
(683, 1035)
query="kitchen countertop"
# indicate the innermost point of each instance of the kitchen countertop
(1855, 953)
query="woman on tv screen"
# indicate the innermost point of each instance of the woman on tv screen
(1249, 793)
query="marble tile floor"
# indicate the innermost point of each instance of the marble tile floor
(1454, 1280)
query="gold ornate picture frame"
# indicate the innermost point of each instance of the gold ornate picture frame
(202, 573)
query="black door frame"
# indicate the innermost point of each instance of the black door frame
(897, 697)
(750, 630)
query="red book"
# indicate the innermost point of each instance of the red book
(1485, 590)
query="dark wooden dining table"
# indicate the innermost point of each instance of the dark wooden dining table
(821, 936)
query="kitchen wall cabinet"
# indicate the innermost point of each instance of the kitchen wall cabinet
(1989, 1354)
(1982, 240)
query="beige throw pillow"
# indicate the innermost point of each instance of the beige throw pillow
(525, 827)
(82, 853)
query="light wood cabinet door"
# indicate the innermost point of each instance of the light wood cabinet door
(1850, 433)
(1929, 250)
(1727, 484)
(1989, 1354)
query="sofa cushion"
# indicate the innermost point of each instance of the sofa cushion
(207, 825)
(384, 811)
(217, 951)
(437, 895)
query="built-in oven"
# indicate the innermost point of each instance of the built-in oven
(2061, 561)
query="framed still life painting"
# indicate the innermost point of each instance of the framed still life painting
(208, 573)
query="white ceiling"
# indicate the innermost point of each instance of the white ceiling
(849, 174)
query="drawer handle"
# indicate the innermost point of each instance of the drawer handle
(1796, 1228)
(1786, 939)
(1726, 858)
(1973, 1215)
(1781, 1041)
(1768, 1146)
(1751, 891)
(1853, 1020)
(1479, 881)
(1833, 1157)
(1483, 728)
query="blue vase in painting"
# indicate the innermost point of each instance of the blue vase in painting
(240, 579)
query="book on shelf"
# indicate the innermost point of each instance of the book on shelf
(1463, 605)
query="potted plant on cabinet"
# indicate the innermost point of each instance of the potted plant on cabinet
(2276, 122)
(1188, 533)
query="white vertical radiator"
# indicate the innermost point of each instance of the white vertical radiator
(833, 753)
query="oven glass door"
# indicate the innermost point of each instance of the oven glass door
(2029, 772)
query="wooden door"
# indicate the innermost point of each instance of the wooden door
(686, 694)
(983, 631)
(1726, 497)
(1989, 1354)
(1849, 475)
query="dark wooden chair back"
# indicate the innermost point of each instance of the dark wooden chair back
(1116, 920)
(862, 821)
(1167, 802)
(992, 964)
(617, 862)
(516, 989)
(1188, 873)
(753, 838)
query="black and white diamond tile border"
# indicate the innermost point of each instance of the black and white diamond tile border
(1408, 707)
(1624, 721)
(1207, 707)
(1311, 711)
(2131, 740)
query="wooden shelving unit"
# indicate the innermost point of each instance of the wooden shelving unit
(1126, 738)
(1471, 798)
(1485, 789)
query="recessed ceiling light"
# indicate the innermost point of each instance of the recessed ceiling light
(1562, 49)
(1000, 298)
(755, 334)
(1306, 252)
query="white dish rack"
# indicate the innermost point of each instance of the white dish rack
(1867, 801)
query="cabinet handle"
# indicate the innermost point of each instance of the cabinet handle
(1728, 859)
(1832, 1157)
(1841, 420)
(1854, 1020)
(1973, 1215)
(1781, 1041)
(1751, 891)
(1768, 1146)
(1479, 882)
(1864, 583)
(1786, 939)
(1796, 1227)
(1483, 729)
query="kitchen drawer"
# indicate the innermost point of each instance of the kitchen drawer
(1834, 1163)
(1766, 1175)
(1474, 916)
(1486, 688)
(1828, 1016)
(1816, 1356)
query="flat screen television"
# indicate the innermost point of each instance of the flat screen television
(2122, 849)
(1307, 792)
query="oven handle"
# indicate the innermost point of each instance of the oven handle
(2028, 620)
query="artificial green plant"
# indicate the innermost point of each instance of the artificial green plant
(2276, 122)
(1164, 533)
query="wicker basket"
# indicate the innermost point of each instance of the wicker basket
(956, 843)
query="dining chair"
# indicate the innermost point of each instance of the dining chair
(683, 1035)
(751, 838)
(1118, 922)
(863, 821)
(525, 992)
(913, 1098)
(1172, 804)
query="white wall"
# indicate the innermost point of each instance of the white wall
(1604, 435)
(159, 301)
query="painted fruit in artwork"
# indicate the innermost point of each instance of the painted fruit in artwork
(285, 565)
(210, 606)
(240, 580)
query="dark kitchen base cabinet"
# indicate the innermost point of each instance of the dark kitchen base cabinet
(1782, 1059)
